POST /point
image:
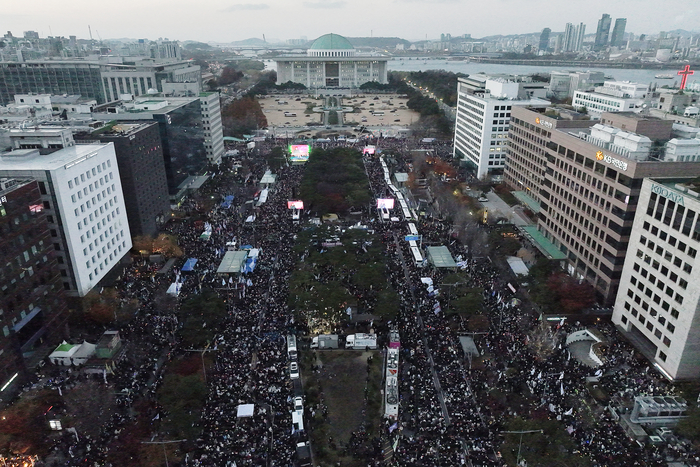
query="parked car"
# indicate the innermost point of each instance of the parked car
(294, 370)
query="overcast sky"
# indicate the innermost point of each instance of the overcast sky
(226, 21)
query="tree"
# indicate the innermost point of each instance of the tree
(142, 243)
(230, 75)
(201, 318)
(167, 245)
(212, 84)
(573, 295)
(100, 308)
(275, 158)
(242, 116)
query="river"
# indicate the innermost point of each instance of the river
(459, 66)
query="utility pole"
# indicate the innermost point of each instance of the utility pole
(205, 349)
(163, 443)
(521, 433)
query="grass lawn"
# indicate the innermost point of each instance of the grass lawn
(344, 374)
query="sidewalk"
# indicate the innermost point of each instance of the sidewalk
(499, 208)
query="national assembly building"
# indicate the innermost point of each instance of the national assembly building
(331, 62)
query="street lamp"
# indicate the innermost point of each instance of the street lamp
(520, 445)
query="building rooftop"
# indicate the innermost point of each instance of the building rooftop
(331, 42)
(30, 159)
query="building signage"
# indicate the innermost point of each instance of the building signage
(611, 160)
(544, 123)
(666, 193)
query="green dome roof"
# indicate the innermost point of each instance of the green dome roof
(331, 42)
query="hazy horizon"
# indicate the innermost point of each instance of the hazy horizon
(413, 20)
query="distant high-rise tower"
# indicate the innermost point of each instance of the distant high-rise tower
(580, 32)
(544, 39)
(568, 45)
(602, 33)
(573, 37)
(617, 37)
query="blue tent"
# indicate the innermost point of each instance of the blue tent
(228, 201)
(189, 265)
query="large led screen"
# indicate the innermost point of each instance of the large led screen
(295, 205)
(385, 203)
(299, 152)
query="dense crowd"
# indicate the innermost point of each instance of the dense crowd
(444, 419)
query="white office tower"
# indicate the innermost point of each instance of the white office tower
(82, 196)
(483, 119)
(657, 301)
(211, 123)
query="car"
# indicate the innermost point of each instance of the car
(483, 199)
(298, 403)
(293, 370)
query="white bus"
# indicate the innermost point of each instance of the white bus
(412, 230)
(292, 347)
(417, 257)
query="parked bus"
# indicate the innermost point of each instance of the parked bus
(417, 257)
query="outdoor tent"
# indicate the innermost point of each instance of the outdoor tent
(440, 257)
(232, 262)
(263, 197)
(189, 265)
(227, 202)
(245, 410)
(518, 266)
(75, 354)
(174, 289)
(268, 179)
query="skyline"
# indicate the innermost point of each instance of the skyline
(221, 22)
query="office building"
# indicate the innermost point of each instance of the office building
(213, 128)
(618, 34)
(583, 178)
(189, 130)
(84, 205)
(331, 62)
(563, 85)
(572, 39)
(544, 39)
(483, 117)
(657, 304)
(144, 77)
(32, 305)
(141, 171)
(602, 32)
(613, 96)
(104, 80)
(51, 77)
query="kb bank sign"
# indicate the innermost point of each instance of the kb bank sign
(544, 123)
(611, 160)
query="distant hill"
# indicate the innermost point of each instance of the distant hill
(253, 41)
(378, 42)
(196, 45)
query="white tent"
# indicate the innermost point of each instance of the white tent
(245, 410)
(174, 289)
(518, 266)
(67, 354)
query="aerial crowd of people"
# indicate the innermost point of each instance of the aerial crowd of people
(447, 416)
